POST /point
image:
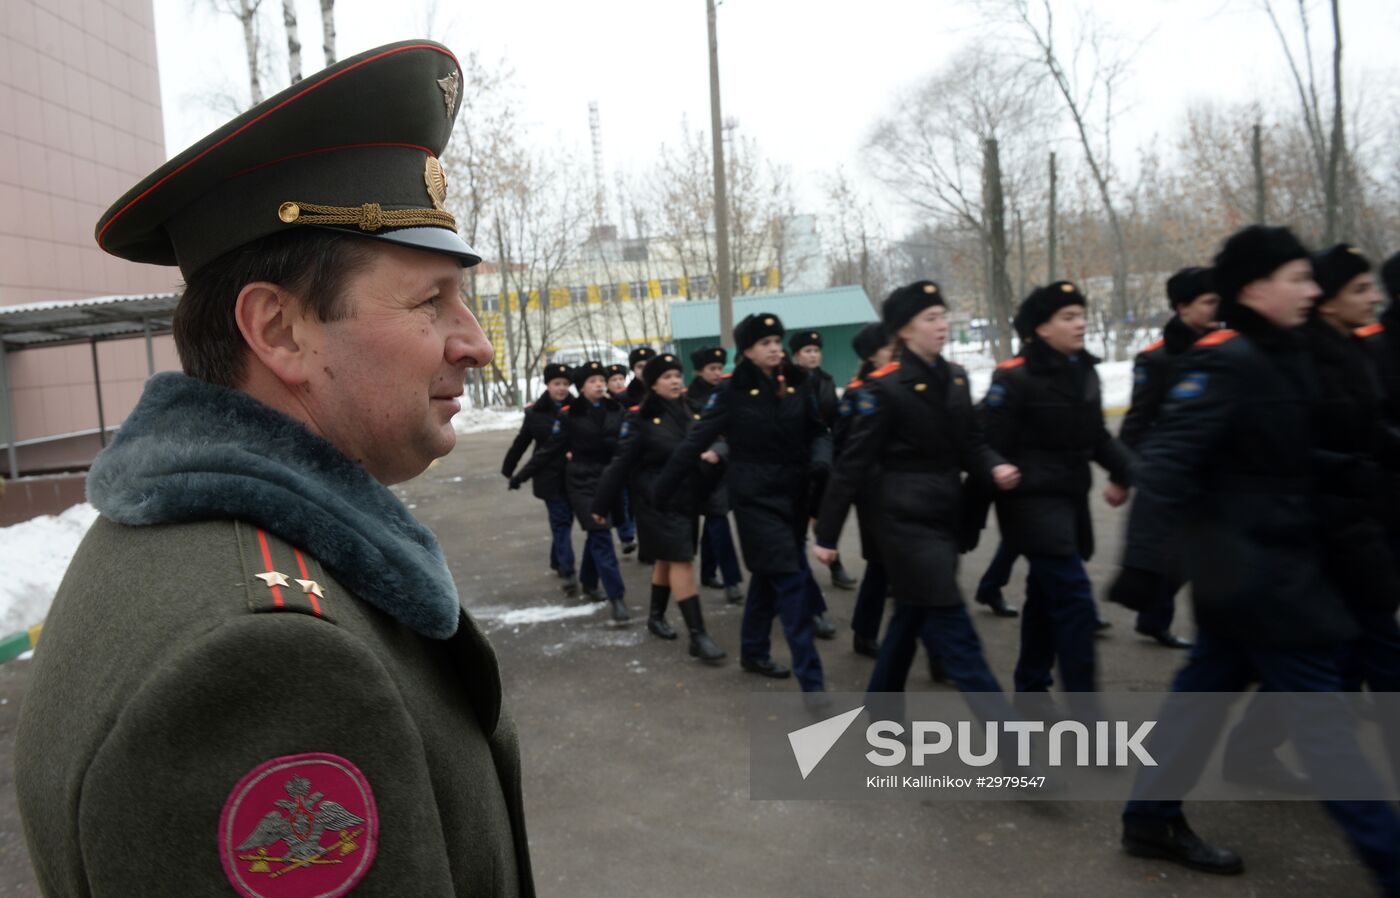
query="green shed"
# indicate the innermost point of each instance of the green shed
(837, 314)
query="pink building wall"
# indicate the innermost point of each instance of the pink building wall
(80, 123)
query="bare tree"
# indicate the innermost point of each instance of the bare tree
(852, 226)
(289, 21)
(328, 30)
(246, 12)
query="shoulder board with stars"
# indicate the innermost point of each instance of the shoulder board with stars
(279, 576)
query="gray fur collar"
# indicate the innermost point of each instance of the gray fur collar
(192, 451)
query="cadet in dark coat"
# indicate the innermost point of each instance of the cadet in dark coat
(637, 360)
(719, 560)
(769, 419)
(913, 434)
(872, 347)
(1231, 465)
(617, 384)
(1195, 304)
(806, 348)
(625, 525)
(1044, 414)
(668, 525)
(548, 486)
(257, 663)
(586, 433)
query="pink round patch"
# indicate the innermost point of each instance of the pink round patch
(299, 826)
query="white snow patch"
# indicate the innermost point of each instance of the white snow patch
(34, 555)
(480, 420)
(539, 614)
(1115, 380)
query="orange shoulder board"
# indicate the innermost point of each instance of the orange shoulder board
(565, 408)
(1013, 362)
(891, 368)
(855, 384)
(633, 408)
(1370, 330)
(1151, 346)
(1215, 338)
(726, 376)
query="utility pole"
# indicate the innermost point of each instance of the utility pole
(1257, 154)
(726, 285)
(1052, 236)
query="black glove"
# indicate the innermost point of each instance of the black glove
(514, 483)
(1135, 589)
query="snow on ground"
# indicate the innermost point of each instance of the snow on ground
(538, 614)
(1116, 379)
(34, 555)
(480, 420)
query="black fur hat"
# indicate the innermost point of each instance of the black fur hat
(640, 354)
(905, 302)
(1042, 305)
(869, 339)
(1252, 254)
(556, 372)
(754, 328)
(587, 370)
(659, 365)
(1187, 285)
(1334, 268)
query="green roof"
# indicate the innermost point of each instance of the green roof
(813, 308)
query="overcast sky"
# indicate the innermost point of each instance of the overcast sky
(805, 78)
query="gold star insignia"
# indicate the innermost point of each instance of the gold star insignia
(449, 87)
(273, 578)
(311, 587)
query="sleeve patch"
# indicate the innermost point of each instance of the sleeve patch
(996, 396)
(1139, 375)
(1190, 386)
(710, 403)
(865, 405)
(556, 429)
(310, 817)
(626, 429)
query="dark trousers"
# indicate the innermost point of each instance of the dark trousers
(600, 562)
(1186, 733)
(561, 527)
(787, 597)
(1057, 624)
(627, 530)
(998, 573)
(1157, 617)
(946, 632)
(870, 601)
(717, 551)
(1372, 660)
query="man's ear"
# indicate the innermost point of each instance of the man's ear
(272, 325)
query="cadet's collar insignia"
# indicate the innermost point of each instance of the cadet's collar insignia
(436, 181)
(310, 818)
(273, 579)
(449, 86)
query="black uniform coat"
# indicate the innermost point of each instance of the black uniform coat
(1044, 414)
(1229, 471)
(1382, 342)
(775, 439)
(914, 422)
(866, 501)
(1350, 436)
(650, 435)
(1152, 378)
(824, 389)
(636, 391)
(548, 482)
(588, 434)
(712, 476)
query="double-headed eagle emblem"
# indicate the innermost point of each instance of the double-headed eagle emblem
(302, 821)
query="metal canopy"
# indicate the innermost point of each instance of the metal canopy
(46, 324)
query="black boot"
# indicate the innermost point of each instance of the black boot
(656, 619)
(712, 582)
(620, 614)
(1174, 841)
(593, 594)
(994, 600)
(839, 578)
(701, 645)
(734, 595)
(570, 587)
(864, 645)
(1166, 638)
(822, 628)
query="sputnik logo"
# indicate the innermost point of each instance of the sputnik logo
(811, 743)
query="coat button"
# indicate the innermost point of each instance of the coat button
(753, 392)
(792, 390)
(919, 388)
(697, 417)
(656, 420)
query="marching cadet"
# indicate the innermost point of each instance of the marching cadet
(636, 361)
(768, 417)
(617, 383)
(257, 663)
(586, 433)
(719, 561)
(1043, 413)
(668, 525)
(806, 348)
(1231, 464)
(1354, 450)
(913, 434)
(872, 347)
(548, 485)
(1195, 304)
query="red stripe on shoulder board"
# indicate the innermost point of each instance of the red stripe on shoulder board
(1215, 338)
(267, 563)
(297, 96)
(311, 596)
(1013, 362)
(1370, 330)
(888, 369)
